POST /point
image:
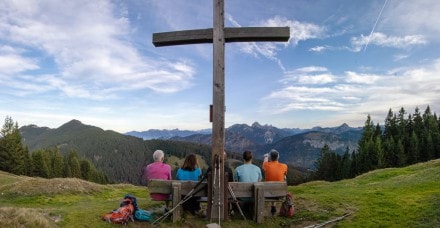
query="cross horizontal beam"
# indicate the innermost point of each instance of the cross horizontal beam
(239, 34)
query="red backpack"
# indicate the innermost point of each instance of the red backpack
(123, 214)
(287, 209)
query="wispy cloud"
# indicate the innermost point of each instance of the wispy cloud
(309, 75)
(299, 31)
(360, 93)
(88, 43)
(414, 17)
(383, 40)
(319, 48)
(356, 78)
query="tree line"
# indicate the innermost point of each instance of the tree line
(404, 139)
(48, 163)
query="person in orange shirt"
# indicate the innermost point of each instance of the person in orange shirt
(274, 171)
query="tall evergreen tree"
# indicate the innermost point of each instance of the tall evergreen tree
(413, 149)
(346, 164)
(74, 165)
(367, 155)
(40, 168)
(400, 156)
(323, 164)
(354, 164)
(57, 163)
(13, 156)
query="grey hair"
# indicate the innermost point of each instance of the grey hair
(158, 155)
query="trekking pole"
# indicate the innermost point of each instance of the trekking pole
(186, 198)
(219, 189)
(236, 202)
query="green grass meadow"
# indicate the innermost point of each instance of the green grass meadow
(395, 197)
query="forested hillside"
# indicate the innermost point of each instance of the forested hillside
(405, 139)
(46, 163)
(121, 157)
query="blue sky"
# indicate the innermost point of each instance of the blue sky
(94, 61)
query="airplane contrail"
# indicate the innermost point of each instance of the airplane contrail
(374, 27)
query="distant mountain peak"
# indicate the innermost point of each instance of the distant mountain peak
(73, 122)
(256, 124)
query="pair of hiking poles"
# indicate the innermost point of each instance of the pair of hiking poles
(182, 201)
(235, 200)
(191, 194)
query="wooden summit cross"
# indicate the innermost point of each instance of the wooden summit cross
(218, 35)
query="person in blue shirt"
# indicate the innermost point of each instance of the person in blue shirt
(248, 172)
(190, 171)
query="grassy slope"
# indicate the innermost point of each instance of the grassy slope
(403, 197)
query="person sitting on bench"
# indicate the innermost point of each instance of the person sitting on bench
(190, 171)
(247, 172)
(274, 170)
(157, 170)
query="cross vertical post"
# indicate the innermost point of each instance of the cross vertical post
(218, 123)
(218, 36)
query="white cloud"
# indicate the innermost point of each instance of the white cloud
(383, 40)
(319, 48)
(312, 75)
(89, 41)
(12, 64)
(400, 57)
(299, 31)
(353, 77)
(357, 94)
(417, 17)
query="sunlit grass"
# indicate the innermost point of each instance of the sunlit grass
(401, 197)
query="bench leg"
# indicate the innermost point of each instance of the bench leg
(259, 203)
(176, 200)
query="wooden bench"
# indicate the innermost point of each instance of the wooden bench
(259, 192)
(176, 189)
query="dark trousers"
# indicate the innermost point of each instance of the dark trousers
(192, 205)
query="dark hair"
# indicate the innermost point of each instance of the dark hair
(247, 155)
(190, 162)
(274, 155)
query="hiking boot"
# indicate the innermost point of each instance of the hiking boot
(273, 210)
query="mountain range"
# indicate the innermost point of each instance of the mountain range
(122, 156)
(299, 147)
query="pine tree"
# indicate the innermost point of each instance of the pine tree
(323, 165)
(413, 149)
(346, 164)
(367, 156)
(39, 165)
(389, 138)
(57, 163)
(400, 154)
(13, 156)
(74, 165)
(86, 169)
